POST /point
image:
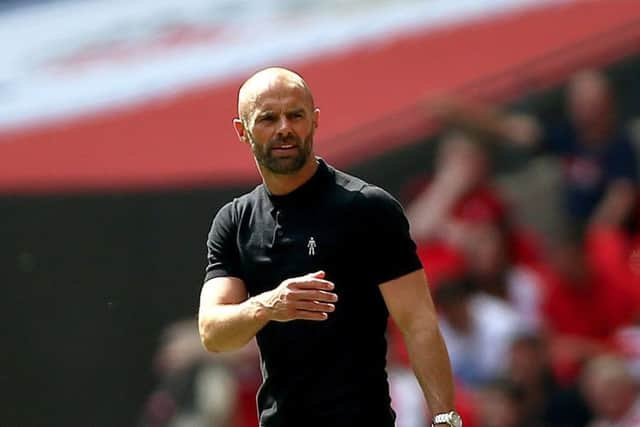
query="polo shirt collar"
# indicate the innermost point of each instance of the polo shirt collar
(309, 189)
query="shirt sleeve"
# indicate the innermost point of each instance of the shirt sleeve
(389, 251)
(223, 257)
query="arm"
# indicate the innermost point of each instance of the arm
(228, 320)
(429, 212)
(411, 307)
(456, 174)
(616, 205)
(518, 129)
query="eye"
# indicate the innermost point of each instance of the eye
(266, 118)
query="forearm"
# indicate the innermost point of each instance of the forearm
(228, 321)
(428, 213)
(227, 327)
(432, 368)
(616, 205)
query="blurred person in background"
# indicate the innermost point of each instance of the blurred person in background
(582, 310)
(197, 388)
(611, 392)
(598, 159)
(440, 209)
(460, 190)
(544, 401)
(311, 263)
(405, 391)
(492, 266)
(478, 329)
(460, 201)
(500, 404)
(614, 246)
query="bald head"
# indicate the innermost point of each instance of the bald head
(265, 82)
(588, 80)
(608, 386)
(589, 98)
(277, 118)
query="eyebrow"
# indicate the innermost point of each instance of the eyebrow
(267, 113)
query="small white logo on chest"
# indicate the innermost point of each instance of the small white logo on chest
(312, 246)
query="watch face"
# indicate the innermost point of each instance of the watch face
(454, 419)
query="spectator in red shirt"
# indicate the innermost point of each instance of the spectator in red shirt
(581, 302)
(459, 191)
(459, 194)
(459, 199)
(583, 309)
(598, 159)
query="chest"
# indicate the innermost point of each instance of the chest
(278, 244)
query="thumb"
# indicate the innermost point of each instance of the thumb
(317, 275)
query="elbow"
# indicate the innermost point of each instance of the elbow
(210, 345)
(425, 328)
(208, 336)
(214, 340)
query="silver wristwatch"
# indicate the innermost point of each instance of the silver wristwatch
(451, 419)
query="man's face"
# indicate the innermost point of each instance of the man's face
(280, 128)
(609, 397)
(588, 99)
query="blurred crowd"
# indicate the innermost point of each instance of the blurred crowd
(537, 285)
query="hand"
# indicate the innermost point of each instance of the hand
(616, 205)
(308, 297)
(443, 107)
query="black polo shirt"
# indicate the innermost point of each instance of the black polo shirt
(328, 373)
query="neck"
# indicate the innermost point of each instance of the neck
(596, 131)
(284, 184)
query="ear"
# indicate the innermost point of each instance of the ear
(240, 130)
(316, 117)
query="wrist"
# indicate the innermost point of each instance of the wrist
(259, 311)
(449, 419)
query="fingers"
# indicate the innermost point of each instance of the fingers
(308, 297)
(318, 274)
(313, 284)
(315, 306)
(311, 315)
(313, 295)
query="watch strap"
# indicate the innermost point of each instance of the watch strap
(441, 419)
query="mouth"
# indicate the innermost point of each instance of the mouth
(284, 149)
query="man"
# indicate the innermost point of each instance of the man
(598, 159)
(311, 262)
(611, 392)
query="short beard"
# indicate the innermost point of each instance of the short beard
(282, 165)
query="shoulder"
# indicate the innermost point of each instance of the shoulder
(250, 199)
(362, 191)
(374, 207)
(242, 203)
(230, 213)
(364, 202)
(348, 182)
(374, 197)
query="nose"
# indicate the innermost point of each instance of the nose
(284, 127)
